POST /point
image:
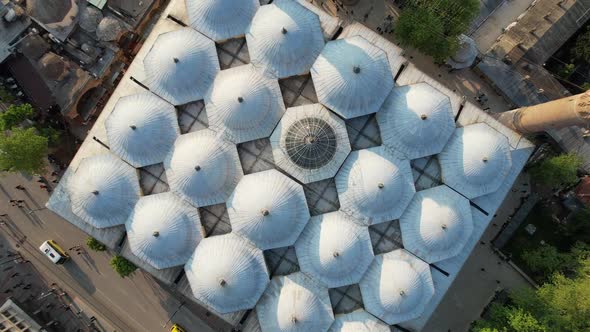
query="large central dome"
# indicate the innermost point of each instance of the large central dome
(311, 143)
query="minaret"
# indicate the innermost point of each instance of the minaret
(560, 113)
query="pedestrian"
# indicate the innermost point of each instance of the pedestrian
(28, 286)
(482, 269)
(20, 187)
(43, 186)
(55, 181)
(40, 181)
(20, 201)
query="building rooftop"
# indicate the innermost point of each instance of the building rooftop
(309, 145)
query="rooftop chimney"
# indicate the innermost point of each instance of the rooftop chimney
(560, 113)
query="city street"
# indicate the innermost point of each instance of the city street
(136, 303)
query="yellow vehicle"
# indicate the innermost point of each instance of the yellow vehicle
(54, 252)
(177, 328)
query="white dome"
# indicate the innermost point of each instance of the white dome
(285, 38)
(181, 66)
(294, 303)
(334, 250)
(227, 274)
(437, 224)
(476, 161)
(310, 143)
(374, 185)
(221, 19)
(163, 230)
(352, 77)
(416, 120)
(142, 129)
(465, 55)
(397, 287)
(103, 190)
(268, 209)
(358, 321)
(203, 168)
(244, 105)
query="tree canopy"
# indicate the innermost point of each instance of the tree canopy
(582, 48)
(433, 26)
(23, 150)
(122, 266)
(561, 169)
(561, 304)
(14, 115)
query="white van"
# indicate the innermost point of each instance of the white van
(54, 252)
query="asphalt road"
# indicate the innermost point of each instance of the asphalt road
(137, 303)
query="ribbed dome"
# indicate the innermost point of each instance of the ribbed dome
(466, 53)
(352, 77)
(142, 129)
(437, 224)
(397, 287)
(374, 185)
(285, 38)
(269, 209)
(358, 321)
(203, 168)
(294, 303)
(90, 18)
(416, 120)
(181, 66)
(310, 143)
(476, 161)
(163, 230)
(109, 29)
(244, 105)
(104, 190)
(221, 19)
(334, 249)
(227, 274)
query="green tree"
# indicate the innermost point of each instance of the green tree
(558, 170)
(567, 70)
(509, 319)
(561, 304)
(53, 135)
(122, 266)
(6, 96)
(14, 115)
(433, 26)
(582, 48)
(22, 150)
(94, 244)
(544, 260)
(585, 86)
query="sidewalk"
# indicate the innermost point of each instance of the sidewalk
(136, 303)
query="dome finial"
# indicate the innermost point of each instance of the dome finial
(294, 319)
(176, 60)
(197, 168)
(356, 69)
(95, 192)
(336, 254)
(133, 127)
(484, 159)
(240, 100)
(222, 282)
(444, 226)
(402, 293)
(265, 212)
(284, 31)
(423, 117)
(381, 185)
(156, 233)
